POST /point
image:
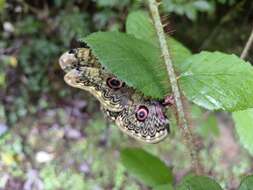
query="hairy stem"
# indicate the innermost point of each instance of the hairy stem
(247, 46)
(153, 5)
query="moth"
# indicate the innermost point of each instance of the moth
(141, 118)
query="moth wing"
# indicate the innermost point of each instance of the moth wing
(93, 80)
(152, 130)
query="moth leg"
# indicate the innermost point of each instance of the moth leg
(169, 100)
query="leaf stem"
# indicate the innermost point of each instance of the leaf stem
(247, 46)
(153, 6)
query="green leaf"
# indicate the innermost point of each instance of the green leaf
(206, 122)
(192, 182)
(2, 79)
(134, 61)
(244, 128)
(247, 183)
(2, 4)
(112, 3)
(179, 53)
(140, 25)
(146, 167)
(136, 58)
(208, 127)
(164, 187)
(218, 81)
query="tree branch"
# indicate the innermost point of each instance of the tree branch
(153, 5)
(247, 46)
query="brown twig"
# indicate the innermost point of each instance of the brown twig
(153, 5)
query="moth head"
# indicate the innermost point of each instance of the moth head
(68, 60)
(145, 121)
(76, 58)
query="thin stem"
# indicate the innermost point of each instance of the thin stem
(153, 5)
(247, 46)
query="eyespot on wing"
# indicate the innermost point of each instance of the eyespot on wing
(153, 129)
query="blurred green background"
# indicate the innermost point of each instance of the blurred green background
(54, 137)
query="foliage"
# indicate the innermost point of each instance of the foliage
(188, 8)
(207, 125)
(164, 187)
(211, 80)
(32, 73)
(214, 81)
(55, 27)
(146, 167)
(198, 183)
(243, 125)
(140, 25)
(246, 183)
(73, 25)
(123, 55)
(44, 51)
(64, 180)
(138, 61)
(2, 4)
(192, 8)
